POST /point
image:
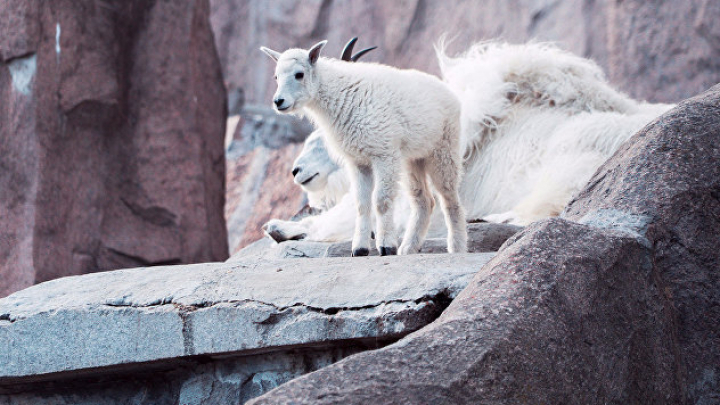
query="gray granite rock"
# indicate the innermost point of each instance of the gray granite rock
(128, 317)
(664, 185)
(198, 381)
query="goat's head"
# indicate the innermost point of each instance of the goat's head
(314, 164)
(295, 75)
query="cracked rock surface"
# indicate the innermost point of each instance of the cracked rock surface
(141, 315)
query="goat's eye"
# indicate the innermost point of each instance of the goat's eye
(275, 77)
(299, 75)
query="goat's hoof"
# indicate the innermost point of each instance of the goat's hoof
(361, 252)
(388, 251)
(281, 231)
(273, 231)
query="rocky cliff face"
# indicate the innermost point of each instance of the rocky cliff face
(111, 138)
(660, 51)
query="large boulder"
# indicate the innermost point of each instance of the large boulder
(622, 307)
(564, 314)
(111, 136)
(665, 185)
(645, 49)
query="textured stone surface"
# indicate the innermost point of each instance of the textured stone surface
(565, 313)
(126, 317)
(191, 381)
(622, 307)
(661, 51)
(111, 137)
(482, 237)
(665, 184)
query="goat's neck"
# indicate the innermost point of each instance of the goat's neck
(334, 101)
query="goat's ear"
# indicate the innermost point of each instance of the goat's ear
(269, 52)
(314, 52)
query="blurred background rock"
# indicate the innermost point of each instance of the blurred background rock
(112, 116)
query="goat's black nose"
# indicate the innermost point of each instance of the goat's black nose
(295, 171)
(279, 102)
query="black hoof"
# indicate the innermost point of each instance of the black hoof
(388, 251)
(276, 235)
(360, 252)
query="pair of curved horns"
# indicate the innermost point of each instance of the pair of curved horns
(347, 51)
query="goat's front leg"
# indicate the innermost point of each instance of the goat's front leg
(281, 231)
(386, 172)
(362, 179)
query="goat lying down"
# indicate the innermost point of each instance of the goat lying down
(537, 122)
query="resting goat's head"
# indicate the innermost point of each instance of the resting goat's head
(295, 74)
(314, 164)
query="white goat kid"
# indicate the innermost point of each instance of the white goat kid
(382, 120)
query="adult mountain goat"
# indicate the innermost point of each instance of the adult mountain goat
(537, 123)
(384, 122)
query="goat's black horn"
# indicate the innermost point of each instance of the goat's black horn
(361, 53)
(347, 51)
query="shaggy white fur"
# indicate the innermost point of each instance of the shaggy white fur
(536, 124)
(383, 122)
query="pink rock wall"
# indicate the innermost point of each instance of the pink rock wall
(112, 119)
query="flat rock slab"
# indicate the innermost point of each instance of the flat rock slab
(482, 237)
(102, 320)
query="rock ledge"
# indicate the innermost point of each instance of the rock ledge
(105, 322)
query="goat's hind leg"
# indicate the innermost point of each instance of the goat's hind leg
(422, 204)
(444, 170)
(362, 179)
(386, 172)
